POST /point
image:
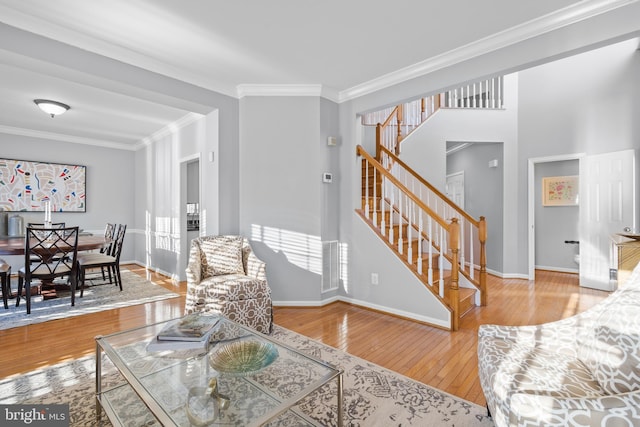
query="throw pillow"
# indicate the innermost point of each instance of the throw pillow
(222, 255)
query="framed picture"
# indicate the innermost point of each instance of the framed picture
(560, 191)
(27, 186)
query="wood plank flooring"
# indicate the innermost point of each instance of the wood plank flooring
(439, 358)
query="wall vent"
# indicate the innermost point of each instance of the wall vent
(330, 266)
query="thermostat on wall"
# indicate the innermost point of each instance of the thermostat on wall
(327, 177)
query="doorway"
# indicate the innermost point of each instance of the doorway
(190, 207)
(549, 166)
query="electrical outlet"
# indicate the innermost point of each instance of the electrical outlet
(374, 278)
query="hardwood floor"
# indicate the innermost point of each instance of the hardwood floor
(439, 358)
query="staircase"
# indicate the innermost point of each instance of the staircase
(439, 242)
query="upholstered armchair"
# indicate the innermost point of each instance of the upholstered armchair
(225, 277)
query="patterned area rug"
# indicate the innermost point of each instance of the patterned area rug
(373, 396)
(98, 296)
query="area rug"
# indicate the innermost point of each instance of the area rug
(373, 396)
(98, 296)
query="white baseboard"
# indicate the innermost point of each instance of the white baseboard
(558, 269)
(401, 313)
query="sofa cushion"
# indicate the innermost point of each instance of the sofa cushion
(221, 255)
(510, 369)
(612, 349)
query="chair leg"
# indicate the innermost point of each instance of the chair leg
(27, 288)
(74, 281)
(19, 295)
(117, 271)
(81, 274)
(6, 288)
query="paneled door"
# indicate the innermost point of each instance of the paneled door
(455, 188)
(607, 206)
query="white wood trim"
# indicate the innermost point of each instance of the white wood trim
(536, 27)
(532, 206)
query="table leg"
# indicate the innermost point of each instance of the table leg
(340, 402)
(98, 380)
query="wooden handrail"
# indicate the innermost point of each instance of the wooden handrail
(432, 188)
(360, 151)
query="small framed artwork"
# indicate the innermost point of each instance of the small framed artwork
(560, 191)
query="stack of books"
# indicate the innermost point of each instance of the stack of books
(191, 332)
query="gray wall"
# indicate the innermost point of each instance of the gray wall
(587, 104)
(109, 193)
(282, 157)
(555, 224)
(483, 195)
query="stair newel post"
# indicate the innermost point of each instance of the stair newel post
(454, 298)
(482, 235)
(462, 245)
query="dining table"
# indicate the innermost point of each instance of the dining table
(15, 245)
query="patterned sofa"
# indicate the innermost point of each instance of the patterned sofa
(225, 277)
(579, 371)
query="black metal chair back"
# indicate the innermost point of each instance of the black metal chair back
(49, 253)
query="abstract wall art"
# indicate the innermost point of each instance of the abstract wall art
(27, 186)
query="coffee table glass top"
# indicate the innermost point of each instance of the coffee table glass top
(242, 378)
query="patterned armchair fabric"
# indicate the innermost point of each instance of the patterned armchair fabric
(225, 277)
(580, 371)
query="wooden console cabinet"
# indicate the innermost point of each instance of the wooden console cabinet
(625, 256)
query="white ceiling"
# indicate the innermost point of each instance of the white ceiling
(345, 48)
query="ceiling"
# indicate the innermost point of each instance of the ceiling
(234, 48)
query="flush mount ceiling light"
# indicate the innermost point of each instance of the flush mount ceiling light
(53, 108)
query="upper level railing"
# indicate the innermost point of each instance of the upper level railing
(393, 124)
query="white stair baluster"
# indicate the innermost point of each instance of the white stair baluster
(400, 222)
(366, 189)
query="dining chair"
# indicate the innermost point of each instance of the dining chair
(5, 277)
(56, 250)
(42, 225)
(98, 260)
(109, 232)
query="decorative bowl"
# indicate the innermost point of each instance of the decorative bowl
(243, 357)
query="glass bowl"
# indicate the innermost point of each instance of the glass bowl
(243, 357)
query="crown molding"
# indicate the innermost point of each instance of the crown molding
(65, 138)
(287, 90)
(165, 131)
(561, 18)
(170, 129)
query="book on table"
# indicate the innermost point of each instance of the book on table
(193, 327)
(191, 332)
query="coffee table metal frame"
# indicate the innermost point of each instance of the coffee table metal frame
(148, 332)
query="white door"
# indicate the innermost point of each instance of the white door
(607, 206)
(455, 188)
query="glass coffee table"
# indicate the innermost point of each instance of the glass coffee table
(241, 378)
